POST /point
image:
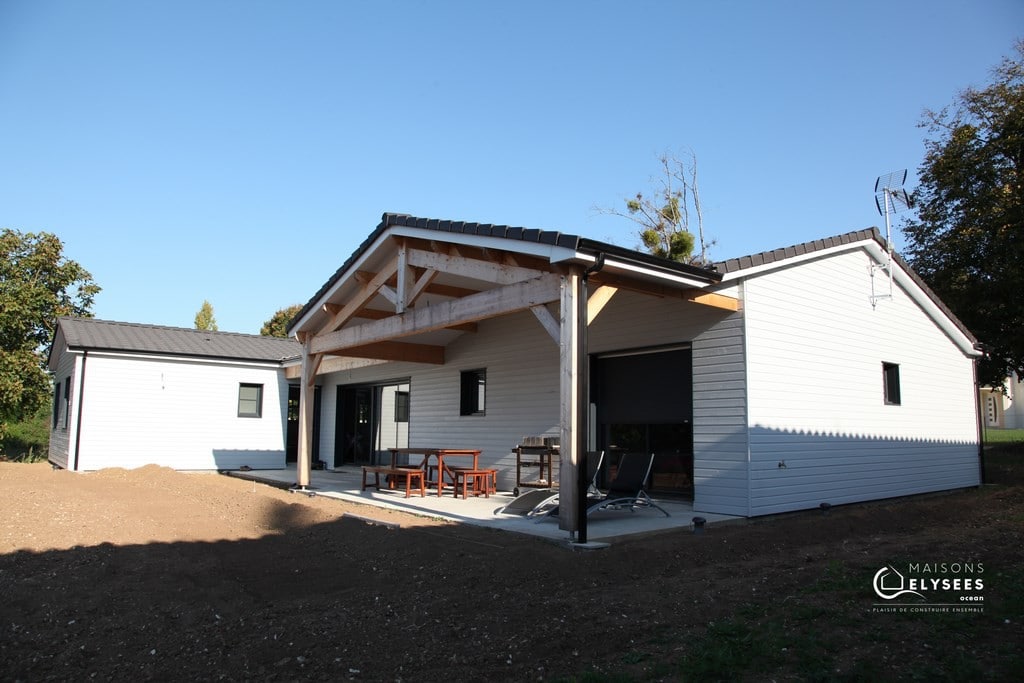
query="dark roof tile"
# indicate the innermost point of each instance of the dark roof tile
(105, 335)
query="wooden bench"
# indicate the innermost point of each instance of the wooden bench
(483, 482)
(413, 476)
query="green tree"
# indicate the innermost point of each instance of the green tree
(664, 215)
(37, 285)
(277, 326)
(205, 319)
(967, 240)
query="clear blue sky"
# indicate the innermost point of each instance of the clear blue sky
(240, 151)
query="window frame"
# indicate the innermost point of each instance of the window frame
(402, 404)
(473, 392)
(258, 413)
(67, 401)
(891, 391)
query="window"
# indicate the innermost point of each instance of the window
(473, 385)
(250, 400)
(401, 406)
(67, 401)
(891, 382)
(56, 404)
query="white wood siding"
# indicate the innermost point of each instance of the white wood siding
(815, 348)
(720, 460)
(521, 400)
(521, 361)
(181, 414)
(633, 320)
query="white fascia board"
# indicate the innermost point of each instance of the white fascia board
(611, 263)
(881, 256)
(205, 360)
(921, 298)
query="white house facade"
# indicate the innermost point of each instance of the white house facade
(826, 372)
(128, 395)
(771, 383)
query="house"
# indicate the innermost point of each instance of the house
(1004, 406)
(827, 372)
(127, 395)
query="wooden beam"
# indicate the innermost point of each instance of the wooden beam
(548, 322)
(475, 269)
(399, 351)
(570, 402)
(490, 304)
(331, 364)
(598, 300)
(699, 296)
(377, 314)
(365, 293)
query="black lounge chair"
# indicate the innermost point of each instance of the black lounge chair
(629, 488)
(550, 506)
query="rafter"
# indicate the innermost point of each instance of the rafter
(475, 269)
(471, 309)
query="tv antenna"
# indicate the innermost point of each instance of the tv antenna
(890, 197)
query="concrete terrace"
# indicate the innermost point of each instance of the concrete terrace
(605, 526)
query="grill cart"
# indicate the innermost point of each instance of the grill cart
(537, 463)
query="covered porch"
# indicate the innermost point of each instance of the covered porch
(446, 312)
(606, 526)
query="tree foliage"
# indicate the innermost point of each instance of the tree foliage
(277, 326)
(204, 318)
(967, 241)
(37, 285)
(664, 215)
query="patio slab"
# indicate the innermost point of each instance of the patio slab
(604, 527)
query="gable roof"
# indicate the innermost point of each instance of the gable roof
(525, 237)
(89, 334)
(735, 266)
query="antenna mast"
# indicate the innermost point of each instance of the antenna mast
(890, 197)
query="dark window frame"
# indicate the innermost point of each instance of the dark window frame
(473, 392)
(402, 404)
(56, 405)
(891, 384)
(258, 412)
(67, 401)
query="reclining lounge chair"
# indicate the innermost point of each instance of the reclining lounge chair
(629, 488)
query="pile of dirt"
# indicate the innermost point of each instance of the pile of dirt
(155, 574)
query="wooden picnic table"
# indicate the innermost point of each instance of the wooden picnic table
(441, 454)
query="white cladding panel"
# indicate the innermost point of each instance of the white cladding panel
(521, 361)
(180, 414)
(820, 429)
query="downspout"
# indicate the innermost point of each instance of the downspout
(78, 419)
(981, 422)
(583, 389)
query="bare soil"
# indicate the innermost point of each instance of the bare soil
(151, 574)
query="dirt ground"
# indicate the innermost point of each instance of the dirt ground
(151, 574)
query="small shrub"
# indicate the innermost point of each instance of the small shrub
(27, 441)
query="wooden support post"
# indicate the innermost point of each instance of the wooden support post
(570, 401)
(310, 364)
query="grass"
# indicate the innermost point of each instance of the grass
(1004, 436)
